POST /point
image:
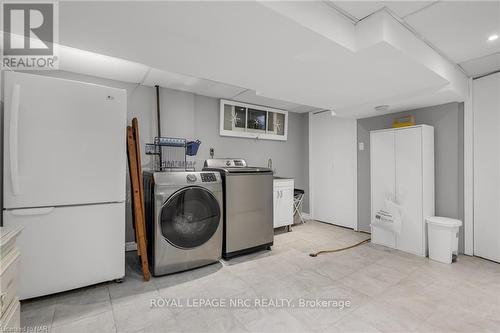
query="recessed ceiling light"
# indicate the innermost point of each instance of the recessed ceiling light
(492, 38)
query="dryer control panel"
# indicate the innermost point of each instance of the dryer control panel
(208, 177)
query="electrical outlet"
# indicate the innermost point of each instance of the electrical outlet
(361, 146)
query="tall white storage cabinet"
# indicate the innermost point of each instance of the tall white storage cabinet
(486, 108)
(402, 170)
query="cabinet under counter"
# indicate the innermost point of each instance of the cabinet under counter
(283, 201)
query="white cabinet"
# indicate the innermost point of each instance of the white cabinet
(383, 180)
(252, 121)
(9, 280)
(402, 170)
(283, 202)
(11, 320)
(486, 108)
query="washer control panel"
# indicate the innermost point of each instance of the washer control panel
(225, 162)
(208, 177)
(191, 178)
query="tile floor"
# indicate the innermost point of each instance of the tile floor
(389, 291)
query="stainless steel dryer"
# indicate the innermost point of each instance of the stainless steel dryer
(184, 214)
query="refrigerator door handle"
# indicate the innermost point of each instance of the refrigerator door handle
(13, 139)
(32, 211)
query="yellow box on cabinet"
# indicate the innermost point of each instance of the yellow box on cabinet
(404, 121)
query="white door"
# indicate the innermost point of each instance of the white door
(486, 106)
(333, 169)
(63, 248)
(408, 148)
(64, 142)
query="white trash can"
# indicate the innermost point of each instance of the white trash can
(443, 238)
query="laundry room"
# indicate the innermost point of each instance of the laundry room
(175, 166)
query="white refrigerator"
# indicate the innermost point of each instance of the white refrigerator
(64, 181)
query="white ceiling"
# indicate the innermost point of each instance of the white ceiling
(297, 55)
(458, 29)
(253, 97)
(94, 64)
(361, 9)
(294, 57)
(482, 65)
(216, 89)
(301, 56)
(192, 84)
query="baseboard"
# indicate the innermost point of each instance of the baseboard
(130, 246)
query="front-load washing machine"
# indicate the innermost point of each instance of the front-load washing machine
(183, 220)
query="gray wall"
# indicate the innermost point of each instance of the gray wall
(447, 120)
(289, 157)
(197, 117)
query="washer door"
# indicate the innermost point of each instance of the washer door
(190, 217)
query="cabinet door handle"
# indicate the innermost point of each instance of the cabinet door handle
(32, 211)
(13, 140)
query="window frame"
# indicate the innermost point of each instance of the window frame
(249, 134)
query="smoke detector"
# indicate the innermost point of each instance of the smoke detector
(381, 108)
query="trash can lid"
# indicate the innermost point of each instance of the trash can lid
(444, 221)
